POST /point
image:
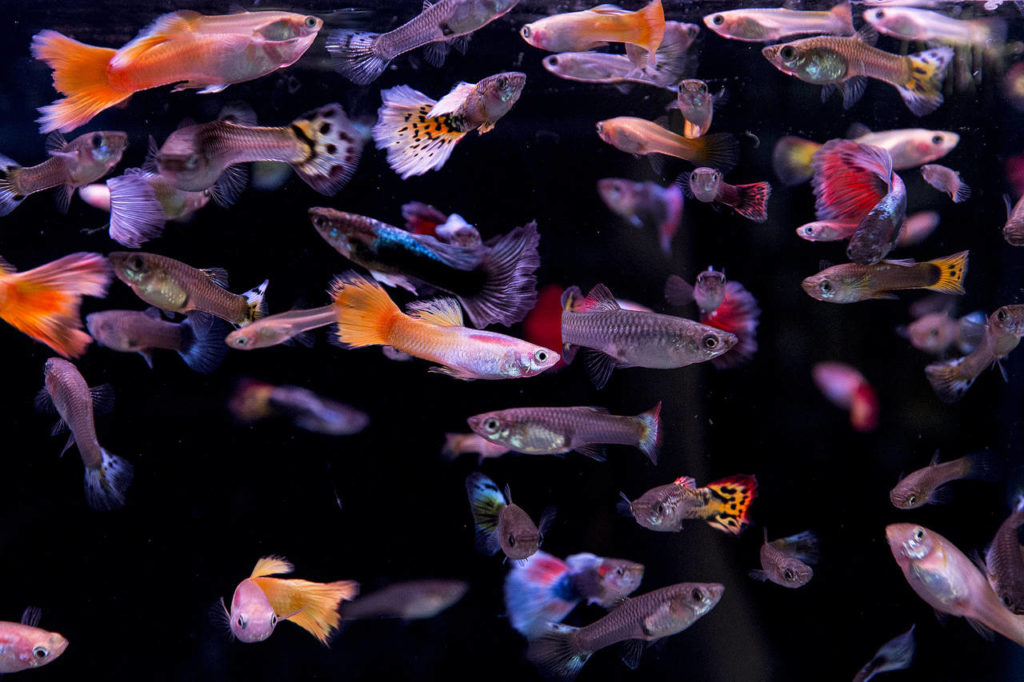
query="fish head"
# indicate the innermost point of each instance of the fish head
(517, 533)
(700, 343)
(619, 194)
(104, 328)
(932, 333)
(132, 267)
(705, 183)
(695, 101)
(619, 578)
(908, 493)
(831, 286)
(1008, 320)
(493, 427)
(289, 27)
(810, 64)
(929, 145)
(247, 337)
(893, 22)
(819, 231)
(35, 647)
(659, 508)
(619, 134)
(709, 289)
(527, 360)
(102, 148)
(909, 543)
(693, 600)
(722, 23)
(253, 619)
(337, 231)
(792, 572)
(499, 92)
(181, 159)
(536, 34)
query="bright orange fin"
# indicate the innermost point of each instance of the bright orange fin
(654, 17)
(271, 565)
(952, 270)
(730, 502)
(312, 606)
(44, 302)
(365, 311)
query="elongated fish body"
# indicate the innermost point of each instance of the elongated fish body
(896, 654)
(562, 651)
(920, 487)
(640, 136)
(1004, 562)
(723, 504)
(362, 57)
(850, 282)
(750, 201)
(948, 581)
(183, 48)
(282, 328)
(845, 62)
(176, 287)
(758, 25)
(24, 645)
(199, 339)
(256, 400)
(322, 146)
(911, 23)
(409, 600)
(557, 430)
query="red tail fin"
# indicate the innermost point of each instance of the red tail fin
(738, 314)
(849, 179)
(753, 201)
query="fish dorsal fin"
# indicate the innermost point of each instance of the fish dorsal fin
(238, 112)
(444, 312)
(31, 616)
(55, 142)
(149, 164)
(599, 298)
(867, 34)
(452, 101)
(609, 9)
(686, 482)
(271, 565)
(218, 276)
(857, 130)
(900, 261)
(182, 21)
(6, 267)
(508, 494)
(102, 398)
(935, 459)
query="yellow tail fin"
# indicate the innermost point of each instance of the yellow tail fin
(80, 72)
(791, 159)
(730, 502)
(43, 303)
(365, 312)
(312, 606)
(952, 270)
(922, 92)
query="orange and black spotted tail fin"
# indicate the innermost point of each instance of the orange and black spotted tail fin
(952, 270)
(922, 92)
(312, 606)
(728, 508)
(415, 142)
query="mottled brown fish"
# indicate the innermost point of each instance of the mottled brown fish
(724, 504)
(851, 282)
(923, 486)
(787, 561)
(501, 524)
(1004, 561)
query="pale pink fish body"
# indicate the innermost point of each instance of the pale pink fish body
(827, 230)
(838, 381)
(282, 327)
(456, 444)
(917, 227)
(946, 180)
(909, 23)
(757, 25)
(911, 147)
(24, 646)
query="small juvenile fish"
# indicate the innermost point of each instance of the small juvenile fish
(261, 601)
(844, 64)
(1004, 563)
(908, 23)
(557, 430)
(935, 332)
(645, 203)
(948, 581)
(176, 287)
(199, 340)
(562, 651)
(1013, 230)
(850, 282)
(613, 337)
(923, 486)
(896, 654)
(456, 444)
(65, 392)
(420, 133)
(724, 504)
(908, 147)
(287, 327)
(847, 389)
(756, 25)
(44, 302)
(917, 227)
(183, 48)
(707, 291)
(946, 180)
(582, 31)
(501, 524)
(1003, 331)
(828, 230)
(361, 56)
(255, 400)
(322, 146)
(639, 136)
(494, 282)
(71, 165)
(697, 105)
(410, 600)
(723, 305)
(544, 589)
(432, 331)
(24, 646)
(708, 186)
(787, 561)
(451, 229)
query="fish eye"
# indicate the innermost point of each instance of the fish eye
(718, 20)
(96, 140)
(789, 575)
(525, 31)
(1001, 315)
(912, 499)
(936, 139)
(491, 425)
(825, 286)
(554, 60)
(1007, 601)
(541, 356)
(697, 594)
(40, 652)
(310, 22)
(659, 509)
(240, 622)
(241, 341)
(619, 571)
(809, 231)
(879, 14)
(918, 535)
(273, 620)
(135, 262)
(503, 82)
(192, 161)
(319, 221)
(787, 52)
(511, 540)
(709, 342)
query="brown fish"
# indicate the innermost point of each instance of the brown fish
(1013, 230)
(500, 524)
(562, 650)
(851, 282)
(410, 600)
(1004, 561)
(786, 561)
(946, 180)
(199, 340)
(922, 487)
(107, 476)
(724, 504)
(176, 287)
(557, 430)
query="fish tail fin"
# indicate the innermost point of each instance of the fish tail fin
(990, 31)
(753, 201)
(557, 652)
(922, 92)
(80, 72)
(650, 434)
(10, 195)
(729, 510)
(667, 229)
(962, 193)
(136, 216)
(310, 605)
(718, 150)
(738, 314)
(44, 302)
(804, 546)
(204, 348)
(365, 311)
(356, 55)
(849, 179)
(842, 19)
(984, 466)
(450, 449)
(950, 379)
(791, 159)
(952, 270)
(106, 485)
(335, 146)
(654, 30)
(510, 290)
(415, 142)
(537, 592)
(257, 306)
(485, 502)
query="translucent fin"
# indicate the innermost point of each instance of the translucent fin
(718, 150)
(791, 159)
(678, 291)
(366, 311)
(271, 565)
(443, 312)
(557, 653)
(136, 216)
(650, 438)
(310, 605)
(510, 290)
(106, 485)
(414, 142)
(230, 185)
(335, 146)
(356, 55)
(204, 347)
(486, 503)
(31, 616)
(922, 93)
(537, 592)
(257, 306)
(753, 201)
(949, 380)
(599, 366)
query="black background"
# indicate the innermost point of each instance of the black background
(132, 589)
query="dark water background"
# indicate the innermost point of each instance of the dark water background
(132, 589)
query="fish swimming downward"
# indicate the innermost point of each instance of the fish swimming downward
(261, 601)
(707, 185)
(724, 504)
(24, 645)
(420, 133)
(183, 48)
(723, 305)
(645, 203)
(501, 524)
(697, 105)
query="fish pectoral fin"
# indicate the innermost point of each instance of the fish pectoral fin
(452, 372)
(435, 53)
(44, 402)
(102, 398)
(632, 652)
(885, 296)
(212, 89)
(60, 427)
(67, 445)
(982, 629)
(147, 355)
(63, 197)
(758, 574)
(599, 366)
(394, 281)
